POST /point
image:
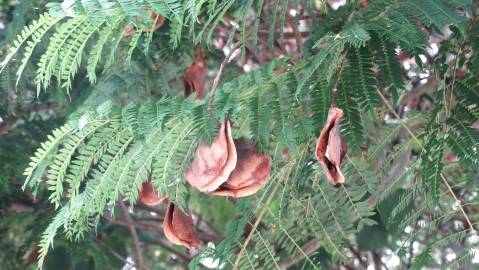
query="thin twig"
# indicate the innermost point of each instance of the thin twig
(114, 253)
(335, 87)
(157, 229)
(420, 90)
(136, 242)
(357, 253)
(183, 256)
(447, 104)
(217, 79)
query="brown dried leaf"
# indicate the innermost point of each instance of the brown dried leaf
(250, 174)
(179, 229)
(149, 195)
(213, 164)
(331, 148)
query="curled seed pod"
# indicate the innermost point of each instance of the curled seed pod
(331, 148)
(212, 165)
(194, 77)
(250, 174)
(149, 195)
(179, 230)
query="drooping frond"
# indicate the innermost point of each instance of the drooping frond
(362, 78)
(463, 140)
(30, 36)
(347, 99)
(37, 166)
(431, 161)
(389, 67)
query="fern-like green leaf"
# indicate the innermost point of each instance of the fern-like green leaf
(363, 79)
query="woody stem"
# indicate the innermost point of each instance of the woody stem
(217, 79)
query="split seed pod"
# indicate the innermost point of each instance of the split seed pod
(149, 195)
(331, 148)
(228, 167)
(194, 77)
(250, 174)
(179, 229)
(212, 165)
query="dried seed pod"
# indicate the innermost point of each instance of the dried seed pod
(130, 28)
(363, 4)
(194, 77)
(149, 195)
(213, 164)
(331, 148)
(159, 22)
(179, 230)
(250, 174)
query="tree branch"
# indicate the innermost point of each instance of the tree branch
(223, 64)
(139, 262)
(183, 256)
(157, 229)
(420, 90)
(114, 253)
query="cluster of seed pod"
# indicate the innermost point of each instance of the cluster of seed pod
(229, 167)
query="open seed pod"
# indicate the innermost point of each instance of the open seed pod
(159, 22)
(213, 164)
(179, 229)
(331, 148)
(149, 195)
(250, 174)
(194, 77)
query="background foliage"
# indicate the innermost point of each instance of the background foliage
(105, 111)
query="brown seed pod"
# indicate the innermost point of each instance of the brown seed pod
(213, 164)
(130, 28)
(159, 22)
(194, 77)
(179, 230)
(250, 174)
(331, 148)
(363, 4)
(149, 195)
